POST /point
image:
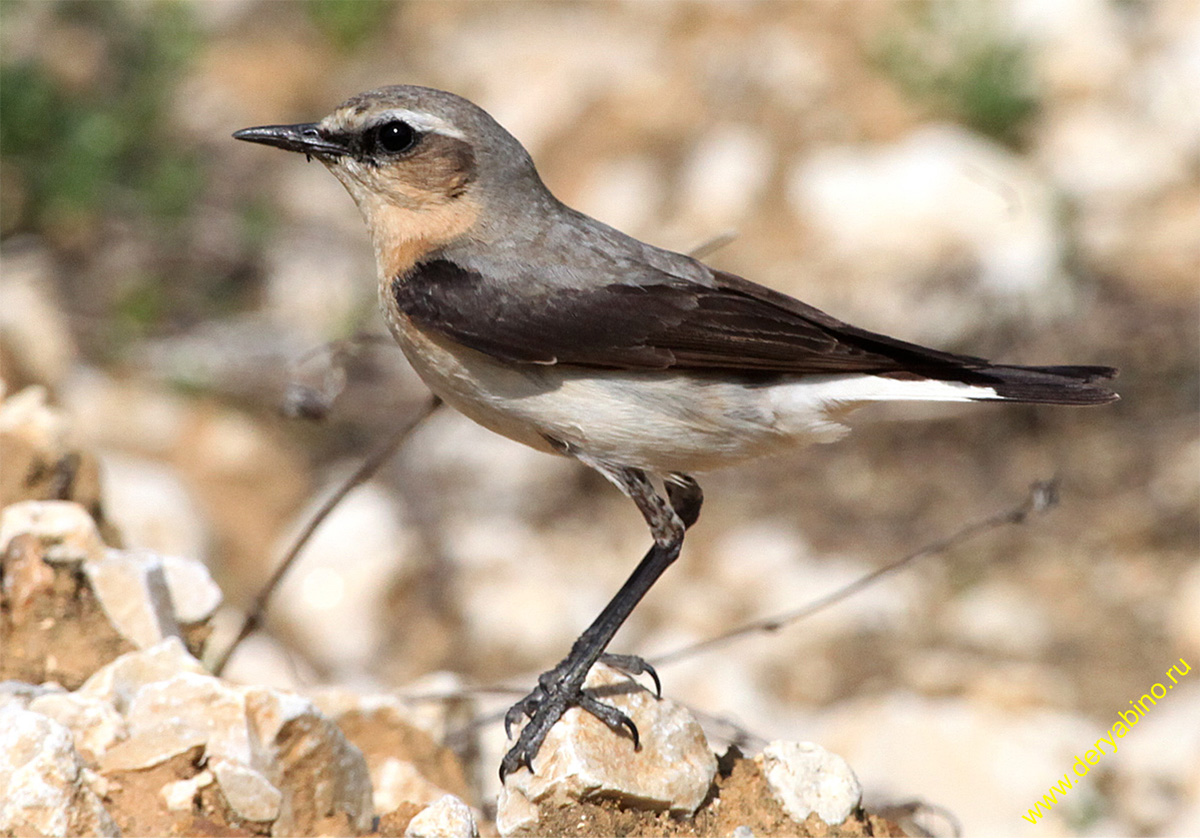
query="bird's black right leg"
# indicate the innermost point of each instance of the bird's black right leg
(685, 498)
(562, 687)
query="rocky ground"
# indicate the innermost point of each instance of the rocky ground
(1017, 179)
(111, 726)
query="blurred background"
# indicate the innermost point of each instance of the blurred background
(1015, 179)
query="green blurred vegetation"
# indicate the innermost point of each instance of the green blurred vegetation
(89, 142)
(80, 151)
(349, 24)
(141, 305)
(954, 57)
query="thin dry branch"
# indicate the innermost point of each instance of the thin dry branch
(711, 245)
(1042, 496)
(258, 608)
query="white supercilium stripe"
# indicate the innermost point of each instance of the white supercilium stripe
(421, 122)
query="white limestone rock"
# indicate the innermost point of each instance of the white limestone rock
(447, 817)
(263, 746)
(195, 596)
(21, 694)
(336, 609)
(248, 792)
(64, 531)
(44, 785)
(180, 795)
(147, 596)
(144, 595)
(119, 681)
(583, 759)
(515, 813)
(151, 505)
(903, 211)
(169, 717)
(806, 778)
(318, 770)
(33, 322)
(725, 176)
(397, 781)
(268, 711)
(132, 589)
(94, 723)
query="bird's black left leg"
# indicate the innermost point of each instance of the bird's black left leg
(562, 687)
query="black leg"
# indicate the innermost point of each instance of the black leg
(562, 687)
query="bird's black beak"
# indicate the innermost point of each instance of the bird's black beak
(305, 138)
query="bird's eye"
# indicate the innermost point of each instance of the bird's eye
(396, 136)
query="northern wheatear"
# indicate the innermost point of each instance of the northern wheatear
(562, 333)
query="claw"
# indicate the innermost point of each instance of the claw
(512, 762)
(610, 716)
(526, 708)
(657, 684)
(633, 732)
(633, 665)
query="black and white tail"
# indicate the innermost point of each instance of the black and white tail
(1061, 385)
(1066, 385)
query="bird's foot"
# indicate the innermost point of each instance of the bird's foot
(557, 691)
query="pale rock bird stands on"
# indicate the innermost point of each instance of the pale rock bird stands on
(562, 333)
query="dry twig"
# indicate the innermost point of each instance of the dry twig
(709, 246)
(1042, 496)
(254, 615)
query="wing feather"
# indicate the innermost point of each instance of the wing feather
(672, 324)
(732, 325)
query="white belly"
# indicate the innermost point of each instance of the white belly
(658, 421)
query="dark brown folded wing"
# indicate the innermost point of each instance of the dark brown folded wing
(735, 325)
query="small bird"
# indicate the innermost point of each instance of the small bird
(562, 333)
